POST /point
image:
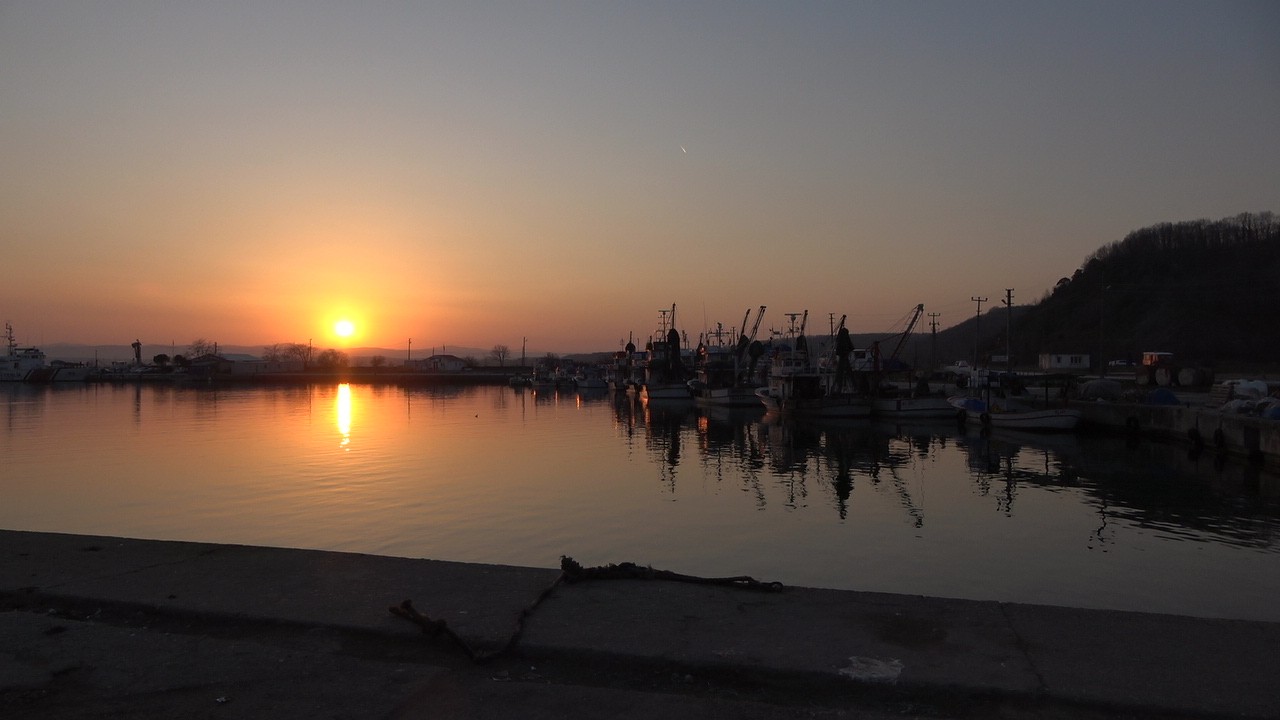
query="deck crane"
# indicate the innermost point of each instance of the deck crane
(748, 348)
(902, 336)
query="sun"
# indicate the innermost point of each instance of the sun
(344, 328)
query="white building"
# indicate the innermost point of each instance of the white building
(1064, 361)
(437, 363)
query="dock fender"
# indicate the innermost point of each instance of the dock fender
(1193, 434)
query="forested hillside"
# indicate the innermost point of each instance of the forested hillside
(1207, 291)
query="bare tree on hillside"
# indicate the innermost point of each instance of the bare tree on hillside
(331, 359)
(200, 346)
(500, 353)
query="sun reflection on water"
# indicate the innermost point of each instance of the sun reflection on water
(343, 412)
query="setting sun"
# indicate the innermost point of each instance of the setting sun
(344, 328)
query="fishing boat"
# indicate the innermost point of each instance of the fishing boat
(993, 401)
(801, 388)
(996, 400)
(1013, 414)
(664, 375)
(724, 374)
(908, 407)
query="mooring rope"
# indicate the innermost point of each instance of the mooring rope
(570, 572)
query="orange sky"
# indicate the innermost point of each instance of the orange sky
(467, 176)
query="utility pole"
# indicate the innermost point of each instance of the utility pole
(933, 345)
(977, 326)
(409, 354)
(1102, 328)
(1008, 329)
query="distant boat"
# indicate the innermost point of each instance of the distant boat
(21, 364)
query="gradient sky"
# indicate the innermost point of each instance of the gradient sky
(473, 173)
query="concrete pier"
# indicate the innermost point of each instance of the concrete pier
(113, 627)
(1203, 428)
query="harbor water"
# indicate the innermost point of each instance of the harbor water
(518, 477)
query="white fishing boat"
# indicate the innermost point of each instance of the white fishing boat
(20, 364)
(993, 401)
(1014, 414)
(905, 407)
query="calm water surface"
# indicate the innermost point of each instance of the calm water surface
(494, 475)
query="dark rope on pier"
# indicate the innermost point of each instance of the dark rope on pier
(570, 572)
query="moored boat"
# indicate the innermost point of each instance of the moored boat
(1014, 414)
(800, 388)
(906, 407)
(21, 364)
(725, 375)
(664, 376)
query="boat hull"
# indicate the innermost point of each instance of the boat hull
(976, 412)
(917, 407)
(653, 392)
(850, 407)
(728, 397)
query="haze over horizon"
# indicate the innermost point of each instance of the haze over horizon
(471, 174)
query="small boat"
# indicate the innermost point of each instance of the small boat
(1006, 410)
(1013, 414)
(906, 407)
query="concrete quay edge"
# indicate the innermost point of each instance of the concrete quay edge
(825, 639)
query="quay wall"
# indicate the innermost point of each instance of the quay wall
(1253, 438)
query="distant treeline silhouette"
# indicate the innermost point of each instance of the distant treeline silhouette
(1207, 291)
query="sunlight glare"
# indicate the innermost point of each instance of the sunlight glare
(344, 328)
(343, 413)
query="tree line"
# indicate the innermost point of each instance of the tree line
(1202, 289)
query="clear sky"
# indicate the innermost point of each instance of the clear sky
(473, 173)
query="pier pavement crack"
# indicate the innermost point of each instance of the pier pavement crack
(1024, 648)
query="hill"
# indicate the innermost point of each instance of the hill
(1203, 290)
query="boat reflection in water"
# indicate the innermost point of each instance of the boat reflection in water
(521, 476)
